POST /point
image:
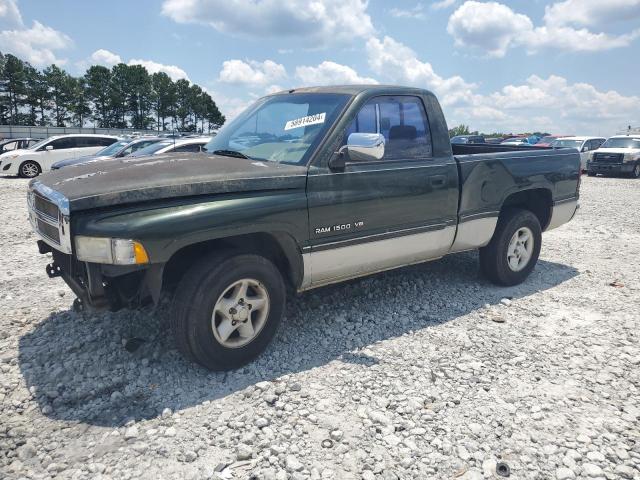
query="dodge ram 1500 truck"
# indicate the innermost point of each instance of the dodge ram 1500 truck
(306, 188)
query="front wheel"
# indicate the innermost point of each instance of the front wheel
(636, 171)
(29, 169)
(227, 309)
(514, 249)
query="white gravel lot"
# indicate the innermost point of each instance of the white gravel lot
(423, 372)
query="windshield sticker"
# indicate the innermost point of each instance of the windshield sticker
(304, 121)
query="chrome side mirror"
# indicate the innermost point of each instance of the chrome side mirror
(365, 147)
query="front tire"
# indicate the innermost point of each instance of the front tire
(513, 251)
(636, 171)
(29, 169)
(227, 309)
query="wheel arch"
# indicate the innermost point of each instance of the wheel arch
(279, 247)
(538, 201)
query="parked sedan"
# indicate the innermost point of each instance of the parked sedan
(119, 149)
(168, 146)
(39, 157)
(466, 139)
(585, 145)
(11, 144)
(517, 141)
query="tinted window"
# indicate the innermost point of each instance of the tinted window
(83, 142)
(62, 143)
(194, 147)
(403, 122)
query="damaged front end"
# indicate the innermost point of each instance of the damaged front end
(106, 273)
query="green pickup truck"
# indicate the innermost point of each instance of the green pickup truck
(307, 187)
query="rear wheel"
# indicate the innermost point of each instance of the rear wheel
(591, 174)
(227, 309)
(514, 249)
(29, 169)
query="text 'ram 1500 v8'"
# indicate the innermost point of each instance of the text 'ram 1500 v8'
(305, 188)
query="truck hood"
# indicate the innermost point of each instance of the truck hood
(626, 151)
(165, 176)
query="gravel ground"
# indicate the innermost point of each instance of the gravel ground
(424, 372)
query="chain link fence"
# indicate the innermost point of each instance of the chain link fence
(18, 131)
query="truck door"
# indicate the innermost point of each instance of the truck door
(377, 215)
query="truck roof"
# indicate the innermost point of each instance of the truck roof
(355, 89)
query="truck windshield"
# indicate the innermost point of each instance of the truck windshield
(621, 142)
(280, 128)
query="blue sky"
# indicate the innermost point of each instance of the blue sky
(565, 66)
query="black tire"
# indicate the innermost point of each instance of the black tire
(493, 257)
(29, 169)
(636, 171)
(591, 174)
(195, 299)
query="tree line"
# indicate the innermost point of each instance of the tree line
(124, 96)
(463, 129)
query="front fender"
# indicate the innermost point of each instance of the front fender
(164, 228)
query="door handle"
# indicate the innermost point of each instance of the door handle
(438, 181)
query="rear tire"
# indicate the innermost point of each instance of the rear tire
(508, 259)
(29, 169)
(203, 326)
(591, 174)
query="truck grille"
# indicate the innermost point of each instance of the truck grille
(49, 216)
(608, 157)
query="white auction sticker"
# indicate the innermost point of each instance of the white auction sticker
(304, 121)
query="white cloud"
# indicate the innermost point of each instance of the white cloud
(10, 14)
(591, 13)
(400, 64)
(105, 57)
(37, 44)
(330, 73)
(251, 72)
(416, 12)
(444, 4)
(176, 73)
(495, 28)
(315, 21)
(549, 104)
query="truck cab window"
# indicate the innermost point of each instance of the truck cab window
(403, 122)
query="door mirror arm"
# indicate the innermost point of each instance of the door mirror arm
(338, 161)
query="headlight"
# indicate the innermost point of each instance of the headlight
(115, 251)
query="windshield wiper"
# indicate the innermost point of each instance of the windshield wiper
(230, 153)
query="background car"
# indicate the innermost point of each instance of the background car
(521, 141)
(12, 144)
(119, 149)
(38, 158)
(585, 145)
(619, 155)
(548, 140)
(168, 146)
(465, 139)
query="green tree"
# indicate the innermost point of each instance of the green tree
(139, 96)
(118, 95)
(37, 96)
(98, 80)
(183, 106)
(13, 85)
(80, 106)
(164, 98)
(459, 130)
(215, 119)
(60, 86)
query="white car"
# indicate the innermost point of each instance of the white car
(585, 145)
(38, 158)
(169, 146)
